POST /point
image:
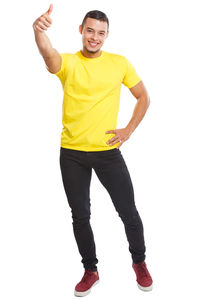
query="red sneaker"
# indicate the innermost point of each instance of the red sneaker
(144, 280)
(88, 280)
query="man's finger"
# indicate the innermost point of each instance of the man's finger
(111, 131)
(46, 20)
(49, 11)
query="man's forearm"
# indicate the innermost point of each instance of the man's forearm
(138, 113)
(44, 44)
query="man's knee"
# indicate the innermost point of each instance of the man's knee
(81, 220)
(131, 218)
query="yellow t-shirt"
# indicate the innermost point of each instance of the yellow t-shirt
(91, 98)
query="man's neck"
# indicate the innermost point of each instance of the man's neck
(90, 54)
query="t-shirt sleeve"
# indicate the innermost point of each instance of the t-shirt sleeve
(131, 78)
(62, 73)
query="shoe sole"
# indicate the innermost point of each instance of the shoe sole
(82, 294)
(145, 288)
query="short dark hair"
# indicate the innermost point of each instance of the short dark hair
(98, 15)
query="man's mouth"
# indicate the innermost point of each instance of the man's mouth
(92, 44)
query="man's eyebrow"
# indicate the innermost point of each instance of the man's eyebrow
(92, 29)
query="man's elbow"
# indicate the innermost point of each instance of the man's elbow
(146, 100)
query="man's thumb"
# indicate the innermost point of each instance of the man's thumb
(49, 11)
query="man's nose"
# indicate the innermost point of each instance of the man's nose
(95, 36)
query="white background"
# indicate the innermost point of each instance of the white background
(38, 253)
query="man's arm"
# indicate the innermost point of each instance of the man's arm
(143, 101)
(50, 55)
(121, 135)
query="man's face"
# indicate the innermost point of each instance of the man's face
(94, 33)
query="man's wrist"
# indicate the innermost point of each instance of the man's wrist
(130, 129)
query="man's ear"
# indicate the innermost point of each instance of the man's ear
(80, 29)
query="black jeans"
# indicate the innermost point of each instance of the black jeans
(110, 167)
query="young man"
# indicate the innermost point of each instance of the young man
(91, 81)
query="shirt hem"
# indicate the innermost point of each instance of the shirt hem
(87, 148)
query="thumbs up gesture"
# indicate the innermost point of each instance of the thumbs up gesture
(44, 21)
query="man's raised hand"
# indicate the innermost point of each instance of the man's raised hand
(44, 21)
